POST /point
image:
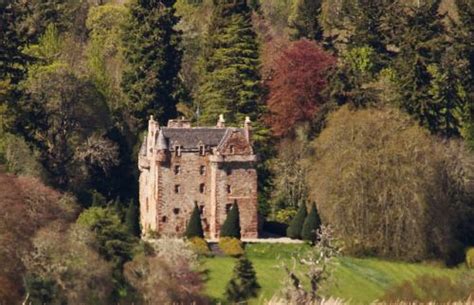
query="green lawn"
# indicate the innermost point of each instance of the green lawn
(360, 281)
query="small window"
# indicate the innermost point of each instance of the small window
(202, 150)
(177, 188)
(163, 219)
(231, 148)
(177, 151)
(177, 169)
(202, 187)
(229, 189)
(202, 170)
(228, 207)
(201, 209)
(176, 211)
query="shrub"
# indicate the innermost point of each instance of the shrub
(311, 225)
(243, 284)
(231, 226)
(231, 246)
(470, 258)
(194, 228)
(296, 225)
(199, 246)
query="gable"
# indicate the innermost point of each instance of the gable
(235, 143)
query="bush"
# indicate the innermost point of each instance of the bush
(199, 246)
(470, 258)
(231, 226)
(311, 225)
(194, 228)
(231, 246)
(296, 225)
(243, 284)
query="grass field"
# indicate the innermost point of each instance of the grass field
(359, 281)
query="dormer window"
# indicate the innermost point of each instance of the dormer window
(177, 151)
(202, 150)
(231, 149)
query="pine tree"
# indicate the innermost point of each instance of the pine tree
(243, 284)
(231, 81)
(153, 53)
(296, 224)
(194, 228)
(231, 226)
(131, 218)
(311, 225)
(303, 21)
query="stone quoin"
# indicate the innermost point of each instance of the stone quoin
(211, 167)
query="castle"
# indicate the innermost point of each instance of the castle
(211, 167)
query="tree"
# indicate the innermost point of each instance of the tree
(153, 53)
(385, 187)
(194, 228)
(296, 225)
(243, 284)
(131, 219)
(303, 21)
(296, 86)
(231, 81)
(311, 225)
(231, 226)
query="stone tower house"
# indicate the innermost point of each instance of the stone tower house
(211, 167)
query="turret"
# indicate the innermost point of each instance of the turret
(153, 128)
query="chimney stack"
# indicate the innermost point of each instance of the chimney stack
(248, 128)
(221, 121)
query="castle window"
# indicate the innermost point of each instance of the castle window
(177, 151)
(229, 189)
(177, 169)
(231, 148)
(202, 150)
(177, 188)
(163, 219)
(202, 170)
(176, 211)
(228, 207)
(201, 188)
(228, 171)
(201, 209)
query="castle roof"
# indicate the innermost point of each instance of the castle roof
(192, 138)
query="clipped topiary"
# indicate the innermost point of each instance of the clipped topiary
(194, 228)
(199, 246)
(231, 246)
(296, 225)
(311, 225)
(231, 226)
(243, 284)
(470, 258)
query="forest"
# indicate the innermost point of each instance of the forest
(363, 121)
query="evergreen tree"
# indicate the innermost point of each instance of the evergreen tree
(231, 226)
(243, 284)
(231, 81)
(303, 21)
(194, 228)
(131, 218)
(296, 224)
(311, 225)
(153, 53)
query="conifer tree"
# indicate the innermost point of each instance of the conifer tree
(194, 228)
(296, 224)
(131, 218)
(303, 21)
(243, 284)
(231, 81)
(153, 53)
(231, 226)
(311, 225)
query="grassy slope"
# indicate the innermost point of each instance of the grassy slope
(358, 280)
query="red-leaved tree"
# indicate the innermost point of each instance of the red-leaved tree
(298, 78)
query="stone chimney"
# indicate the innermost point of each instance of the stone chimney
(248, 128)
(179, 123)
(153, 128)
(221, 121)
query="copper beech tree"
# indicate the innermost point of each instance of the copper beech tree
(295, 86)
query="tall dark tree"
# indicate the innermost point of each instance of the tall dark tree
(311, 225)
(153, 53)
(243, 284)
(296, 224)
(231, 82)
(303, 21)
(231, 226)
(132, 218)
(194, 228)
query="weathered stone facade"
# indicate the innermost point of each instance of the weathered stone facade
(181, 166)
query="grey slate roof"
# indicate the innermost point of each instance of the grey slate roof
(191, 138)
